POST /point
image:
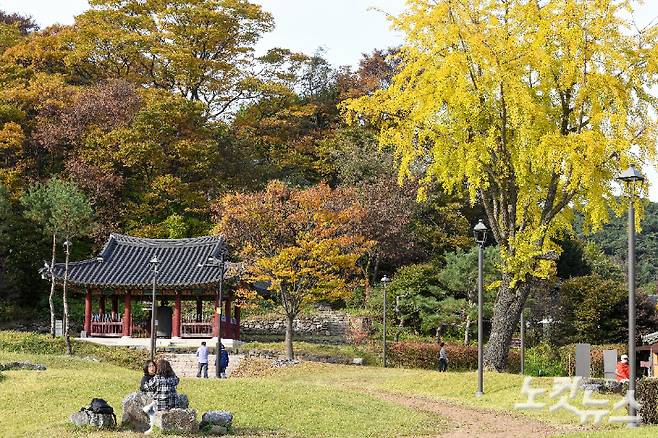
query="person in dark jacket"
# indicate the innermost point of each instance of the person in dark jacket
(163, 385)
(223, 361)
(149, 372)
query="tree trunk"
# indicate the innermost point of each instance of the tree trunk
(67, 338)
(506, 314)
(52, 287)
(367, 285)
(467, 327)
(375, 270)
(290, 354)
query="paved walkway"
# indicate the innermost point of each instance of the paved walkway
(185, 365)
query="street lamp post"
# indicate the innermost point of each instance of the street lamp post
(219, 315)
(522, 343)
(480, 233)
(385, 280)
(631, 178)
(215, 263)
(154, 262)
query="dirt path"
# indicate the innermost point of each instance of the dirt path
(477, 422)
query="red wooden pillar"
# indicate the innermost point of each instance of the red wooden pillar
(101, 306)
(176, 317)
(87, 324)
(236, 309)
(127, 307)
(228, 332)
(115, 307)
(216, 318)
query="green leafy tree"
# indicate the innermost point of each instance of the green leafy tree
(593, 309)
(201, 49)
(437, 299)
(38, 205)
(63, 211)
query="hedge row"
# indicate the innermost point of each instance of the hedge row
(541, 360)
(647, 395)
(33, 343)
(426, 355)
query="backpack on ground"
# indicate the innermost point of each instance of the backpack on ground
(100, 407)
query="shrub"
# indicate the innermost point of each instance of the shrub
(426, 355)
(647, 396)
(543, 360)
(33, 343)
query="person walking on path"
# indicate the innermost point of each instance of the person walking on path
(223, 361)
(202, 359)
(443, 358)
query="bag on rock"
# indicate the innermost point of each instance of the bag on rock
(100, 406)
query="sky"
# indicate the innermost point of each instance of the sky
(344, 28)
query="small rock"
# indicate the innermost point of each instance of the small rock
(216, 418)
(99, 421)
(80, 418)
(177, 420)
(102, 421)
(357, 361)
(280, 363)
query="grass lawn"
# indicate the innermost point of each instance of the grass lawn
(39, 403)
(307, 400)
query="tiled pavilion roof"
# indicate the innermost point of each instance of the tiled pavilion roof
(124, 264)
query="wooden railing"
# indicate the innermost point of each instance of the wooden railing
(196, 329)
(107, 328)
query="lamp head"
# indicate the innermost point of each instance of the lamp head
(385, 280)
(480, 232)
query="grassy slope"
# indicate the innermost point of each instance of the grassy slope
(39, 403)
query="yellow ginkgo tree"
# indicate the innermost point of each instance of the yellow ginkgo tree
(533, 106)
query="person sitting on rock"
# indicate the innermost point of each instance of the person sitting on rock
(163, 385)
(149, 372)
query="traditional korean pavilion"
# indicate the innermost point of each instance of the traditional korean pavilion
(187, 270)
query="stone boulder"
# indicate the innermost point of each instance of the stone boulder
(216, 422)
(133, 415)
(177, 420)
(26, 365)
(99, 421)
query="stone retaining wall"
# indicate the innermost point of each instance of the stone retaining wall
(324, 327)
